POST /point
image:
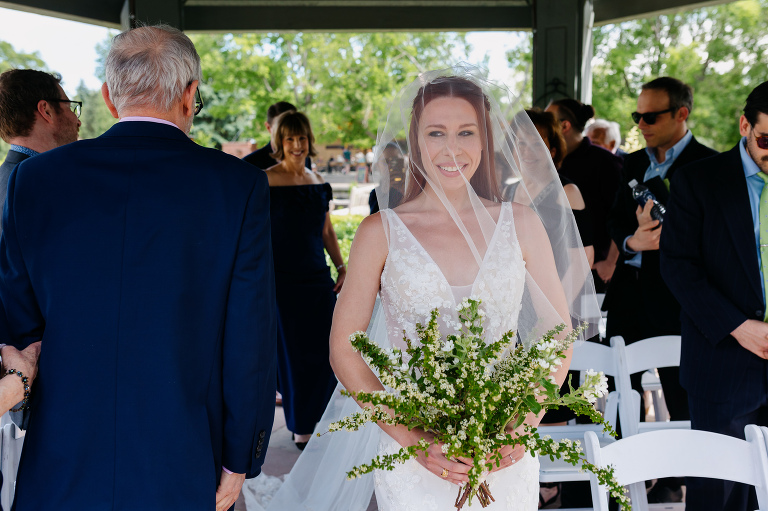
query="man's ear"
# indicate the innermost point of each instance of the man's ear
(108, 101)
(682, 113)
(565, 126)
(744, 126)
(268, 126)
(45, 109)
(188, 99)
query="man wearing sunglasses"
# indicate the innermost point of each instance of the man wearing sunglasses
(35, 116)
(638, 302)
(714, 257)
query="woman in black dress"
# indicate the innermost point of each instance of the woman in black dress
(306, 294)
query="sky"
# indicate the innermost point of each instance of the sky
(69, 47)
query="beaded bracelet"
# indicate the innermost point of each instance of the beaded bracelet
(25, 381)
(339, 267)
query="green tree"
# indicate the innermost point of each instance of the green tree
(342, 81)
(239, 83)
(345, 81)
(721, 51)
(11, 59)
(95, 116)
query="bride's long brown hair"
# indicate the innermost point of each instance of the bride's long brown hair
(484, 180)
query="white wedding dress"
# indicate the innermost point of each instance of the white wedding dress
(412, 285)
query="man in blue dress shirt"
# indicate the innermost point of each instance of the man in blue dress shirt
(714, 261)
(35, 116)
(638, 302)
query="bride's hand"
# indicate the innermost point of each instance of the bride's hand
(436, 462)
(509, 454)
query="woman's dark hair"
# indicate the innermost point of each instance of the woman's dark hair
(484, 181)
(757, 103)
(574, 111)
(288, 124)
(547, 122)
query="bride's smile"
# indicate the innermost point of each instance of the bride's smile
(451, 141)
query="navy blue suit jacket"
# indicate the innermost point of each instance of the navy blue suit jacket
(143, 262)
(709, 261)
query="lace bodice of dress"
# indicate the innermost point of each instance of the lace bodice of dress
(412, 284)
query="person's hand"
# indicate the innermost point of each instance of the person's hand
(753, 336)
(646, 236)
(509, 454)
(24, 361)
(228, 490)
(340, 280)
(605, 270)
(456, 471)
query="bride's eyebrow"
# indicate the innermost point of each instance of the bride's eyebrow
(440, 126)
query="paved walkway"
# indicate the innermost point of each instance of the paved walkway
(282, 453)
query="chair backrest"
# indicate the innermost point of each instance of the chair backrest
(651, 353)
(640, 356)
(675, 453)
(598, 357)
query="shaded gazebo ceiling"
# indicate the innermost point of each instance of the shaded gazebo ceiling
(340, 15)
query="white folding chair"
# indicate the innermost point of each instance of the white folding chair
(588, 355)
(638, 357)
(676, 453)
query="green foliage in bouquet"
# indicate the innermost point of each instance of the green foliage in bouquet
(470, 395)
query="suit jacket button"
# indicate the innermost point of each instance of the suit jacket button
(759, 314)
(262, 434)
(258, 452)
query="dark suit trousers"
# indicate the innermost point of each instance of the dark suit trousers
(628, 320)
(728, 418)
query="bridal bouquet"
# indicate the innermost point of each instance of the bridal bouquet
(474, 398)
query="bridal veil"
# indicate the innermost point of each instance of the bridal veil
(515, 166)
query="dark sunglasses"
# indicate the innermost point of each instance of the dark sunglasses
(649, 117)
(762, 141)
(74, 106)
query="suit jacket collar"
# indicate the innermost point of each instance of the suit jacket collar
(690, 153)
(145, 129)
(15, 157)
(734, 202)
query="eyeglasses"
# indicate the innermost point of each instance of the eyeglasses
(649, 117)
(762, 141)
(75, 106)
(198, 101)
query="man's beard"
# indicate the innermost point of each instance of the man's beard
(67, 136)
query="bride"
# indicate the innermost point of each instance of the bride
(444, 236)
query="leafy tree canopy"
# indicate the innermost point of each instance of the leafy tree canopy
(721, 51)
(342, 81)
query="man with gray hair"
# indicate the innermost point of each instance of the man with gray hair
(605, 134)
(143, 262)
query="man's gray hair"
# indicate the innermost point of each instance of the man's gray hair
(612, 130)
(150, 67)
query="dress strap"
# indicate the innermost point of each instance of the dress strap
(386, 221)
